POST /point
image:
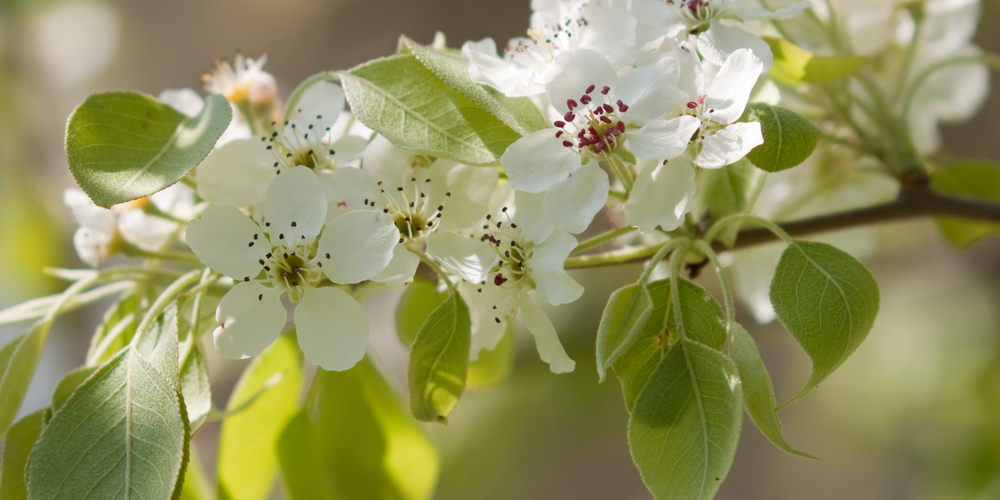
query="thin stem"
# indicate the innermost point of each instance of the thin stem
(622, 172)
(433, 265)
(613, 257)
(602, 238)
(911, 51)
(676, 262)
(109, 274)
(664, 250)
(167, 296)
(840, 141)
(66, 296)
(727, 292)
(134, 251)
(725, 221)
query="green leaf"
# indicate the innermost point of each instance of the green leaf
(518, 113)
(758, 394)
(439, 361)
(356, 440)
(493, 367)
(123, 145)
(158, 344)
(686, 423)
(794, 66)
(419, 300)
(828, 302)
(248, 457)
(788, 138)
(17, 447)
(624, 319)
(704, 321)
(976, 180)
(18, 361)
(406, 102)
(69, 384)
(122, 434)
(729, 190)
(115, 331)
(197, 486)
(195, 383)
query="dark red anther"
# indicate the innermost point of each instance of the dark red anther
(608, 108)
(621, 127)
(692, 105)
(621, 106)
(559, 133)
(570, 103)
(569, 116)
(590, 89)
(598, 110)
(605, 90)
(559, 124)
(605, 119)
(567, 144)
(601, 144)
(585, 99)
(499, 279)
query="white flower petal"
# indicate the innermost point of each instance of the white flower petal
(295, 207)
(228, 242)
(546, 268)
(467, 257)
(348, 148)
(728, 145)
(236, 174)
(720, 41)
(730, 90)
(571, 204)
(386, 162)
(481, 299)
(569, 75)
(537, 161)
(400, 270)
(529, 215)
(471, 189)
(760, 13)
(332, 328)
(550, 349)
(98, 220)
(250, 318)
(91, 246)
(177, 200)
(664, 139)
(360, 245)
(662, 196)
(323, 99)
(650, 92)
(145, 231)
(346, 189)
(487, 68)
(186, 101)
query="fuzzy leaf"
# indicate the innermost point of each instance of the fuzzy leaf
(17, 447)
(624, 319)
(439, 361)
(788, 138)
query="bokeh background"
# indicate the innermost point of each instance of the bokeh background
(914, 414)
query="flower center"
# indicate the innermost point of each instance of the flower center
(411, 207)
(512, 250)
(291, 271)
(293, 146)
(546, 42)
(694, 12)
(593, 126)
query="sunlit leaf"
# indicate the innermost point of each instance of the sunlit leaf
(439, 361)
(17, 446)
(248, 459)
(624, 319)
(68, 384)
(686, 422)
(794, 66)
(788, 137)
(493, 367)
(419, 300)
(123, 145)
(828, 302)
(194, 382)
(115, 331)
(197, 486)
(18, 361)
(976, 180)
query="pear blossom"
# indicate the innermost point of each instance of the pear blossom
(239, 172)
(281, 257)
(557, 26)
(604, 118)
(188, 101)
(431, 201)
(664, 193)
(244, 83)
(521, 270)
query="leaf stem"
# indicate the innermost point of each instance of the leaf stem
(207, 278)
(134, 251)
(167, 296)
(676, 262)
(726, 221)
(613, 257)
(727, 292)
(672, 244)
(601, 239)
(433, 265)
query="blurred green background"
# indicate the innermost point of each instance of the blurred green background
(914, 414)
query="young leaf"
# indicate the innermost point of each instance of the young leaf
(158, 344)
(115, 331)
(686, 423)
(18, 361)
(122, 434)
(401, 99)
(758, 394)
(17, 447)
(332, 455)
(518, 113)
(727, 191)
(978, 180)
(439, 361)
(788, 138)
(419, 300)
(68, 385)
(493, 366)
(624, 319)
(247, 447)
(794, 66)
(123, 145)
(828, 302)
(194, 382)
(704, 322)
